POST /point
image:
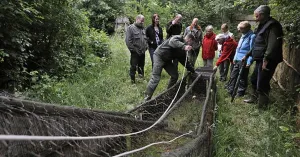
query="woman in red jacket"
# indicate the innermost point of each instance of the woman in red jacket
(209, 46)
(228, 51)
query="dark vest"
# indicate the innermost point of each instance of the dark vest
(261, 40)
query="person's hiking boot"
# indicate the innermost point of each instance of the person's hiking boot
(141, 76)
(132, 77)
(240, 94)
(263, 101)
(251, 100)
(132, 81)
(253, 97)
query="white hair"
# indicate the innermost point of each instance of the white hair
(209, 27)
(244, 24)
(263, 9)
(220, 36)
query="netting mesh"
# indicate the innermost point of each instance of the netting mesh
(21, 117)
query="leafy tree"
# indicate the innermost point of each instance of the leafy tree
(286, 11)
(102, 14)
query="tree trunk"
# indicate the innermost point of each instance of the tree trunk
(287, 74)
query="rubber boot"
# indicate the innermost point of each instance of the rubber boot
(263, 100)
(253, 98)
(132, 77)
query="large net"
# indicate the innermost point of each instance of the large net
(37, 129)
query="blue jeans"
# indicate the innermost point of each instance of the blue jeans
(151, 52)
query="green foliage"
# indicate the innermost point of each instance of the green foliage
(101, 83)
(286, 11)
(50, 37)
(98, 43)
(208, 12)
(102, 14)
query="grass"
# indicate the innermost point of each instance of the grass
(102, 84)
(244, 131)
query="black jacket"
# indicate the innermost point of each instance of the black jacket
(151, 35)
(175, 29)
(268, 42)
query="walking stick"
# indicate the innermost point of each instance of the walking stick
(236, 85)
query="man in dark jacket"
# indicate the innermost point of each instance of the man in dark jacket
(175, 47)
(136, 42)
(267, 52)
(174, 27)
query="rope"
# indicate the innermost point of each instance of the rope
(56, 138)
(152, 144)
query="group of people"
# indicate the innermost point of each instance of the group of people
(262, 46)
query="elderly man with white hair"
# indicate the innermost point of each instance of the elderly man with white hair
(228, 50)
(267, 52)
(244, 46)
(136, 42)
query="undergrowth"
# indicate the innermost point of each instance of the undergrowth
(103, 83)
(243, 130)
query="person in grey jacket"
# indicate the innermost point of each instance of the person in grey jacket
(175, 47)
(196, 31)
(136, 42)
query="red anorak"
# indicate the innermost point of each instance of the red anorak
(228, 50)
(209, 46)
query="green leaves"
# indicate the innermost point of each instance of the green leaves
(287, 11)
(50, 37)
(102, 14)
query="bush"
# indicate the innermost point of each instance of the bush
(98, 43)
(49, 38)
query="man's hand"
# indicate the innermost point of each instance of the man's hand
(244, 58)
(175, 21)
(187, 48)
(215, 68)
(264, 66)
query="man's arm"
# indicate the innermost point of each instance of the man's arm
(168, 27)
(252, 39)
(186, 31)
(148, 31)
(175, 42)
(201, 37)
(128, 40)
(274, 43)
